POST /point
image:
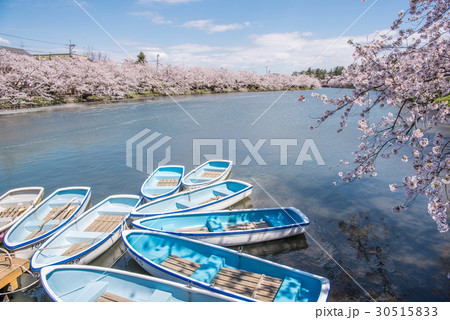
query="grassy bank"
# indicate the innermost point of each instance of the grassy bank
(43, 102)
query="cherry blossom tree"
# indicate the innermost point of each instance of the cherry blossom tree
(26, 80)
(408, 72)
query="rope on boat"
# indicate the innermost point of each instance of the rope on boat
(24, 270)
(20, 289)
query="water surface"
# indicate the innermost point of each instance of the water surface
(354, 238)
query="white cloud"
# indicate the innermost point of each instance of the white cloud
(209, 26)
(193, 48)
(4, 41)
(153, 16)
(307, 34)
(280, 52)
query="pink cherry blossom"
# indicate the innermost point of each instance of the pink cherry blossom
(407, 69)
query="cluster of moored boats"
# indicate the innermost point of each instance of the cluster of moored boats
(178, 237)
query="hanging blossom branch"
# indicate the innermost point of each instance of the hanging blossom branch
(408, 68)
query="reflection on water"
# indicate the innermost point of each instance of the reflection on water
(370, 240)
(265, 249)
(393, 257)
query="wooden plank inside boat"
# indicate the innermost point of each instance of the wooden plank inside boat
(211, 174)
(60, 213)
(110, 297)
(76, 248)
(180, 265)
(57, 214)
(211, 200)
(246, 226)
(167, 182)
(254, 285)
(104, 223)
(12, 212)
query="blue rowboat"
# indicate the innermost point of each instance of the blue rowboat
(230, 228)
(53, 213)
(208, 173)
(88, 236)
(222, 270)
(66, 283)
(163, 182)
(15, 203)
(214, 197)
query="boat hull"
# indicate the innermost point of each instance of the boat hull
(24, 248)
(190, 183)
(169, 205)
(247, 226)
(89, 283)
(231, 240)
(35, 196)
(207, 266)
(53, 251)
(161, 183)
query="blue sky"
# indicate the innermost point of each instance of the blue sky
(256, 35)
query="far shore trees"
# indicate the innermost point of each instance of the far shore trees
(25, 80)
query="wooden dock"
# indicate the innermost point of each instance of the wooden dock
(11, 270)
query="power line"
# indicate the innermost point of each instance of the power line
(18, 37)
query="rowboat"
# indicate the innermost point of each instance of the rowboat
(208, 173)
(214, 197)
(15, 203)
(163, 182)
(222, 270)
(53, 213)
(230, 228)
(88, 236)
(70, 283)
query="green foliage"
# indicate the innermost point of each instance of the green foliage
(321, 74)
(444, 98)
(141, 58)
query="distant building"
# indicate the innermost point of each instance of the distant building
(15, 50)
(64, 56)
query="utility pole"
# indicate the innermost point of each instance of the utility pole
(157, 62)
(71, 46)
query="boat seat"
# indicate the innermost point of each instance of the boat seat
(110, 297)
(214, 225)
(211, 174)
(89, 292)
(180, 265)
(208, 270)
(56, 216)
(44, 229)
(160, 296)
(273, 221)
(76, 248)
(246, 226)
(211, 200)
(254, 285)
(167, 182)
(12, 212)
(105, 223)
(291, 291)
(180, 205)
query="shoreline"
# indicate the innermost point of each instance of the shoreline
(61, 104)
